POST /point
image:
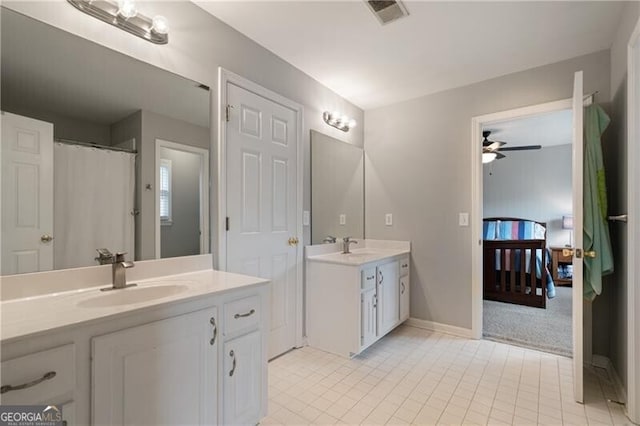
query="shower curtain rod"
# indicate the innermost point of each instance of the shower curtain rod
(94, 145)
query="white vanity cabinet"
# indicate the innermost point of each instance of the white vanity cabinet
(354, 300)
(388, 296)
(404, 289)
(368, 307)
(163, 372)
(244, 365)
(42, 378)
(164, 362)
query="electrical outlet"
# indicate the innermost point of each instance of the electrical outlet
(463, 219)
(306, 218)
(343, 219)
(388, 219)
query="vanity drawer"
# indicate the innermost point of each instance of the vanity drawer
(404, 266)
(368, 278)
(37, 371)
(241, 314)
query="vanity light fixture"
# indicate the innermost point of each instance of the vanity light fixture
(124, 15)
(339, 121)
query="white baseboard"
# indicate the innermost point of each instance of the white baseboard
(604, 362)
(440, 328)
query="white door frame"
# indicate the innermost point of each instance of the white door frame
(477, 194)
(633, 239)
(204, 191)
(225, 77)
(476, 204)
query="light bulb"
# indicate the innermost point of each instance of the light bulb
(127, 8)
(160, 25)
(488, 157)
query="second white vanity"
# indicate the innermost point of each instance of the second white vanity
(355, 299)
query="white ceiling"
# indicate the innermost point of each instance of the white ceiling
(550, 129)
(45, 69)
(441, 45)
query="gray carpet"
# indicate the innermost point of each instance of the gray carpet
(547, 330)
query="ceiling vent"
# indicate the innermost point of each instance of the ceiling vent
(387, 11)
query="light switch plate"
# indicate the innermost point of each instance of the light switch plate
(343, 219)
(388, 219)
(463, 219)
(306, 220)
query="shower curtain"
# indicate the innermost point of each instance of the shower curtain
(93, 203)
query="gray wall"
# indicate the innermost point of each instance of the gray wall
(156, 126)
(182, 236)
(615, 156)
(199, 44)
(146, 127)
(517, 186)
(418, 167)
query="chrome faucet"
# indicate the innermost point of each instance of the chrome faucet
(330, 239)
(346, 242)
(118, 273)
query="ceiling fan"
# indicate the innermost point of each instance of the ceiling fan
(491, 150)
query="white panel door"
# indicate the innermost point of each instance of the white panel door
(27, 194)
(261, 203)
(161, 373)
(577, 296)
(242, 377)
(388, 296)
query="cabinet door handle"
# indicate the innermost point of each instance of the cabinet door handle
(405, 265)
(233, 367)
(375, 301)
(8, 388)
(381, 277)
(402, 285)
(247, 314)
(215, 331)
(371, 277)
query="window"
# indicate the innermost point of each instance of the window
(165, 191)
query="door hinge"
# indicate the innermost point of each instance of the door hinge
(228, 112)
(226, 225)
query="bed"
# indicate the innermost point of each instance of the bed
(515, 262)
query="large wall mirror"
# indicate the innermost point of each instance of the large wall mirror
(337, 189)
(99, 150)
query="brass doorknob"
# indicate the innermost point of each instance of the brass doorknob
(46, 238)
(590, 254)
(293, 241)
(567, 252)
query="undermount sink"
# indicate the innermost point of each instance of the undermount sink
(131, 295)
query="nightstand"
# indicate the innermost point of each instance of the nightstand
(561, 269)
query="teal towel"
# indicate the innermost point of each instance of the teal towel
(596, 228)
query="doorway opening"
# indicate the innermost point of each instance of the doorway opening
(182, 200)
(527, 223)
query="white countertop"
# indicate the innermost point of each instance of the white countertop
(368, 251)
(32, 315)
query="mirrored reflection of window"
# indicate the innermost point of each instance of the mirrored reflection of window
(165, 191)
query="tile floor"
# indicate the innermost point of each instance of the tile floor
(415, 376)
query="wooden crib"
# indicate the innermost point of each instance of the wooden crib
(506, 276)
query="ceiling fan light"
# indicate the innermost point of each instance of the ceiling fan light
(488, 157)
